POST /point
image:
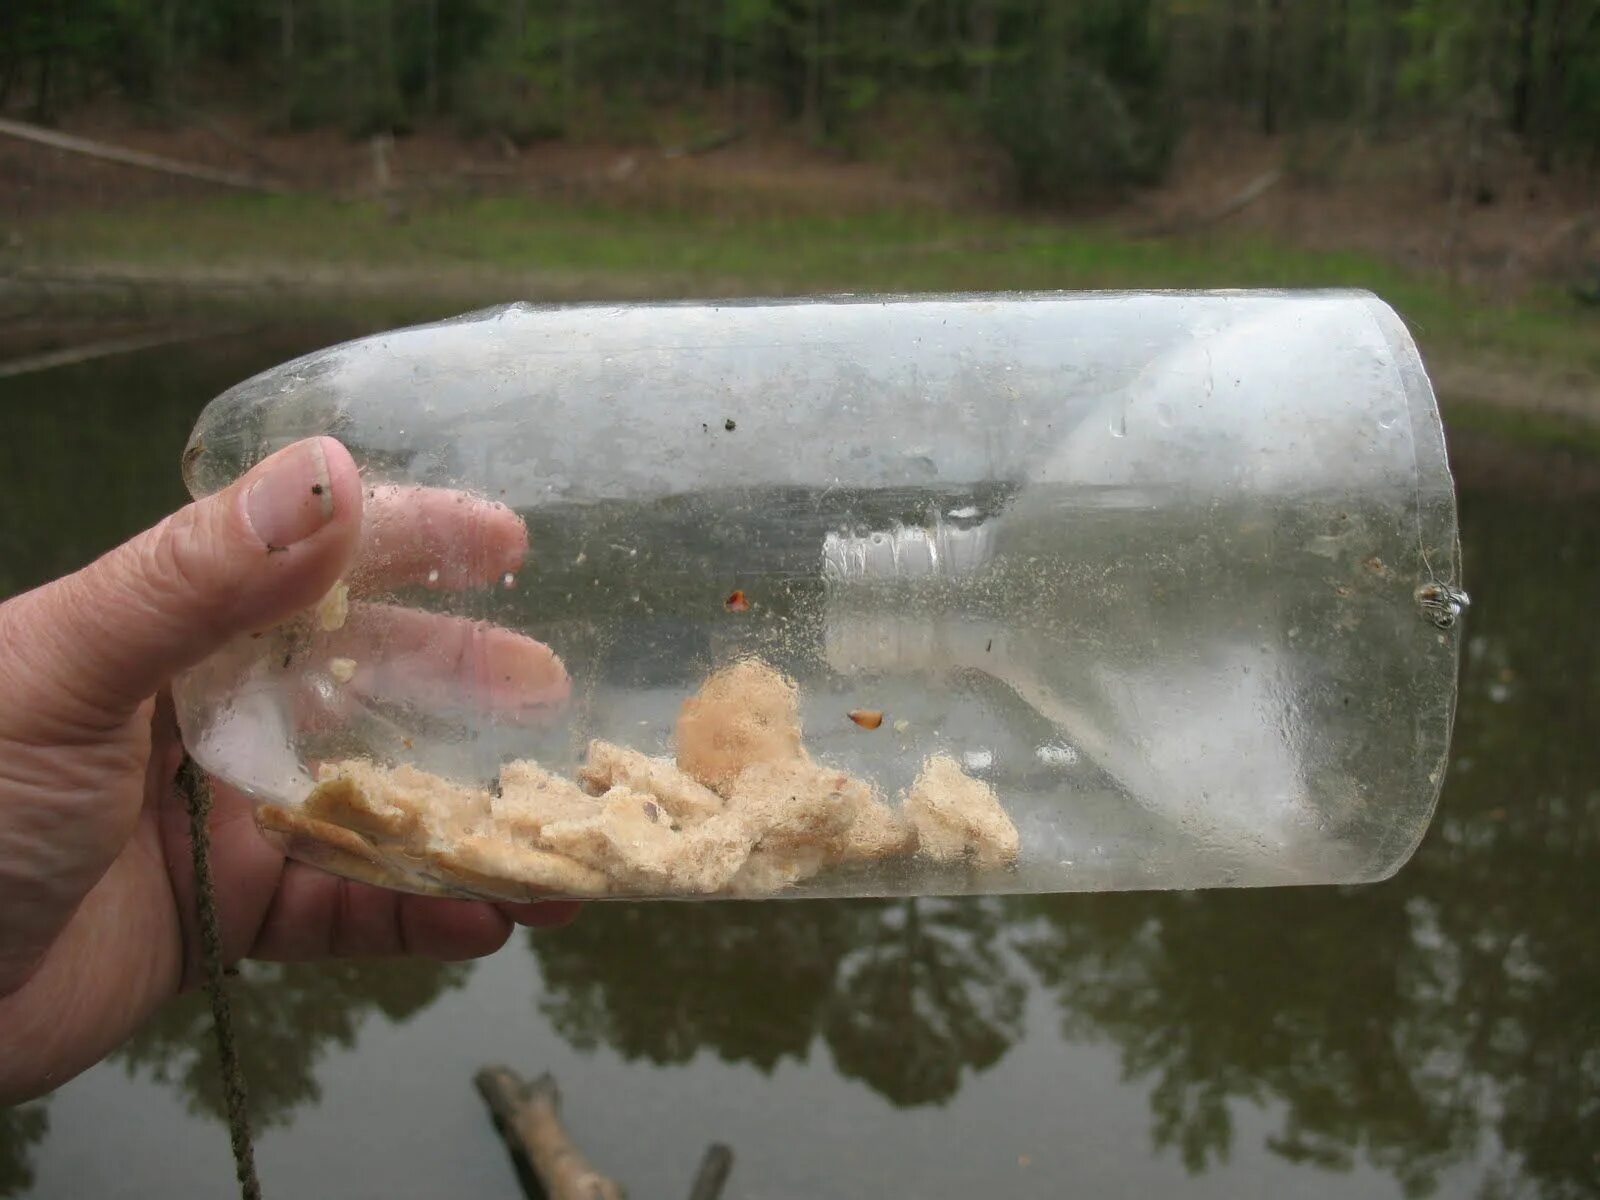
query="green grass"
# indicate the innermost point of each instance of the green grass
(1549, 431)
(682, 251)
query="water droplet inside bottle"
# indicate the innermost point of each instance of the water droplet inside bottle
(1119, 424)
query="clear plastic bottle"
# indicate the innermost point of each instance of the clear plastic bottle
(899, 595)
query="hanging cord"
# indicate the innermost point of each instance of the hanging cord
(196, 792)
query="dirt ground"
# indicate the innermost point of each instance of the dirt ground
(1503, 227)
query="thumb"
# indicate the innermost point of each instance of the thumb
(94, 645)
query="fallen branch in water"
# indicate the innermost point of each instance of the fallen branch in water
(105, 348)
(1238, 202)
(705, 144)
(528, 1118)
(243, 145)
(549, 1166)
(137, 158)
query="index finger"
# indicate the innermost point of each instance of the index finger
(438, 537)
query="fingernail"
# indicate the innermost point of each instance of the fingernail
(293, 498)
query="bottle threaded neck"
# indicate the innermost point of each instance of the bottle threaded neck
(907, 552)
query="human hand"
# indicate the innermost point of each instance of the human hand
(96, 895)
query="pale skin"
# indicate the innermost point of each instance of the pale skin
(97, 923)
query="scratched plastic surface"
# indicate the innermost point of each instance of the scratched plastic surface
(1172, 575)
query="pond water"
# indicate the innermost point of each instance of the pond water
(1435, 1035)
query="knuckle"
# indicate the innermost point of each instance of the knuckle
(182, 573)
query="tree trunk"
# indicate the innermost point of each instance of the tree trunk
(1231, 74)
(1378, 55)
(1544, 124)
(430, 93)
(985, 31)
(1522, 84)
(811, 113)
(41, 89)
(166, 83)
(1271, 45)
(385, 98)
(347, 33)
(683, 19)
(286, 55)
(830, 48)
(569, 60)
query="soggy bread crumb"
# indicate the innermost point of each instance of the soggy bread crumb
(277, 819)
(333, 848)
(770, 870)
(628, 829)
(399, 804)
(334, 608)
(711, 854)
(744, 714)
(608, 765)
(802, 802)
(956, 816)
(346, 795)
(743, 811)
(794, 802)
(633, 838)
(492, 865)
(877, 831)
(531, 798)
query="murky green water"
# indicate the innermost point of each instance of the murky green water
(1439, 1034)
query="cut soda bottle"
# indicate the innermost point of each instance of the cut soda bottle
(857, 597)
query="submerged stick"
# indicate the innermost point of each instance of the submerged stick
(527, 1116)
(713, 1173)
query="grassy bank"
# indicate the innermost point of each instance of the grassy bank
(360, 257)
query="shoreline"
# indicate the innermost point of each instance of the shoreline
(1529, 368)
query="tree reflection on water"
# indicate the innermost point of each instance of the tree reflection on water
(906, 994)
(925, 994)
(285, 1017)
(21, 1129)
